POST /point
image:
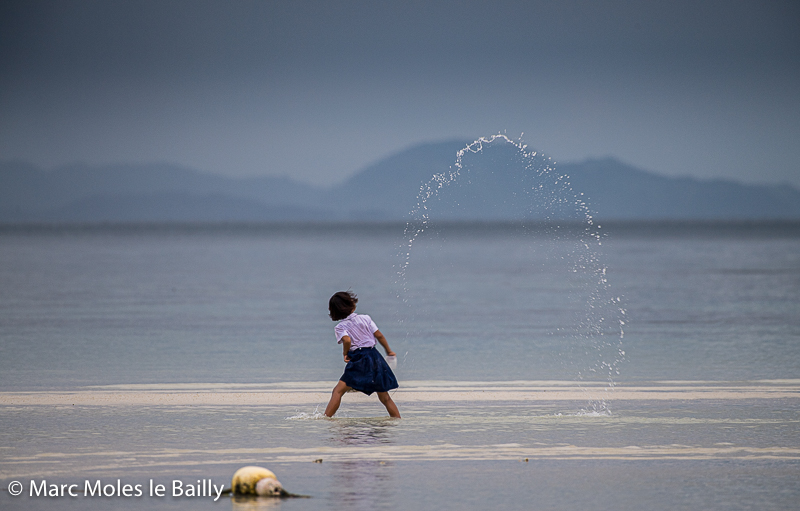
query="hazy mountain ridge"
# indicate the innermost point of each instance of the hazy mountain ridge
(620, 191)
(385, 190)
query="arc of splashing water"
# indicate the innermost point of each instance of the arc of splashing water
(420, 213)
(588, 261)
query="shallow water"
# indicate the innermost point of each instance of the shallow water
(89, 307)
(186, 329)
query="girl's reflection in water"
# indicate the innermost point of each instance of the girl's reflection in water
(370, 431)
(364, 484)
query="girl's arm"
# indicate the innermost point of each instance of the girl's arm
(381, 339)
(346, 342)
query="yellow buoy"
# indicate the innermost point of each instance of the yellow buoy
(246, 478)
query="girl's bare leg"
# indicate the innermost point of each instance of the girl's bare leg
(386, 400)
(336, 398)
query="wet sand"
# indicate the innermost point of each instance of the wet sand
(303, 393)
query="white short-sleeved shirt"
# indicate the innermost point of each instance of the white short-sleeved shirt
(360, 328)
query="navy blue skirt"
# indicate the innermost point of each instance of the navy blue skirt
(368, 372)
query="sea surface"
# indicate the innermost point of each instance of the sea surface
(655, 368)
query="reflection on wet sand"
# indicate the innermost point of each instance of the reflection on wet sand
(369, 431)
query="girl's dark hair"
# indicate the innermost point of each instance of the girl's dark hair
(342, 304)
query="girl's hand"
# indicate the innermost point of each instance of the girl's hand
(346, 343)
(381, 339)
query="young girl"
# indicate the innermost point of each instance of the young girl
(366, 370)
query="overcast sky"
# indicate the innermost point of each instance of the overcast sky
(317, 89)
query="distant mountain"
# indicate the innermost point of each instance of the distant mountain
(619, 191)
(494, 185)
(156, 192)
(491, 186)
(392, 184)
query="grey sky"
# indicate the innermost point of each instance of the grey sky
(316, 90)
